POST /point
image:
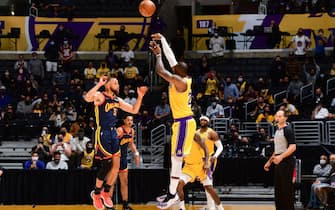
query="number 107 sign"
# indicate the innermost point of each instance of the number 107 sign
(204, 23)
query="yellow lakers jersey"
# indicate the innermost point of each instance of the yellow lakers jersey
(196, 155)
(180, 102)
(209, 143)
(87, 159)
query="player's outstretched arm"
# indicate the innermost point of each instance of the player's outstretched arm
(174, 79)
(166, 49)
(93, 95)
(133, 109)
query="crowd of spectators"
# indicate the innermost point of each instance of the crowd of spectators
(299, 6)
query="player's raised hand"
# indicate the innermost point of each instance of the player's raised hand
(103, 80)
(156, 36)
(142, 90)
(154, 47)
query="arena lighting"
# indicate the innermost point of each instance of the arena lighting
(12, 10)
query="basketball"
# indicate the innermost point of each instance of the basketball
(147, 8)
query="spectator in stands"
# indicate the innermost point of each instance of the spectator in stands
(320, 43)
(78, 143)
(42, 150)
(178, 45)
(62, 147)
(313, 74)
(117, 71)
(20, 63)
(211, 85)
(320, 112)
(145, 120)
(325, 191)
(293, 67)
(283, 84)
(121, 38)
(289, 108)
(52, 56)
(162, 112)
(46, 137)
(57, 163)
(36, 68)
(6, 78)
(130, 73)
(260, 107)
(66, 55)
(131, 99)
(71, 114)
(21, 76)
(322, 171)
(89, 74)
(29, 90)
(274, 37)
(230, 89)
(260, 140)
(332, 70)
(217, 45)
(87, 156)
(277, 71)
(4, 98)
(266, 116)
(34, 163)
(127, 55)
(293, 89)
(58, 117)
(318, 96)
(215, 110)
(249, 94)
(90, 128)
(26, 106)
(241, 83)
(301, 44)
(196, 109)
(67, 137)
(9, 115)
(60, 79)
(103, 70)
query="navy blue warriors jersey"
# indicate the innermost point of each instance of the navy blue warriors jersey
(106, 140)
(106, 113)
(124, 141)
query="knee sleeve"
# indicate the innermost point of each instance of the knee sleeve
(176, 166)
(106, 165)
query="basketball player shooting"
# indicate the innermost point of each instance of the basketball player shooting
(184, 126)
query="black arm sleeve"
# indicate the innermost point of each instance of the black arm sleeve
(289, 135)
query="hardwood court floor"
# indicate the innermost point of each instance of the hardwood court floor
(135, 207)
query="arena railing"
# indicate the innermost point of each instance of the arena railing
(254, 126)
(158, 140)
(278, 99)
(248, 108)
(306, 92)
(330, 86)
(308, 133)
(330, 132)
(220, 125)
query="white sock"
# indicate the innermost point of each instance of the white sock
(210, 201)
(176, 167)
(220, 207)
(168, 53)
(173, 186)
